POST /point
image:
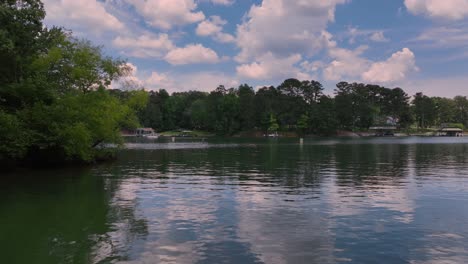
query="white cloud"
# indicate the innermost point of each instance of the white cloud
(445, 37)
(449, 42)
(379, 37)
(445, 9)
(222, 2)
(313, 66)
(210, 26)
(173, 82)
(351, 65)
(159, 81)
(145, 45)
(373, 35)
(224, 38)
(285, 28)
(166, 14)
(200, 81)
(86, 15)
(214, 27)
(394, 69)
(192, 54)
(347, 64)
(269, 67)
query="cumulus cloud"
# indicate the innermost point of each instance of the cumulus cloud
(144, 46)
(192, 54)
(396, 68)
(214, 27)
(351, 65)
(159, 81)
(269, 67)
(284, 28)
(347, 64)
(445, 9)
(166, 14)
(86, 15)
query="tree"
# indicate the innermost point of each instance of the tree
(198, 114)
(446, 110)
(20, 37)
(324, 121)
(14, 137)
(461, 110)
(424, 110)
(246, 107)
(311, 91)
(272, 124)
(303, 124)
(54, 102)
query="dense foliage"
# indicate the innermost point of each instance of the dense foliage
(299, 106)
(54, 103)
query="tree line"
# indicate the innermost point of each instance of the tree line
(56, 103)
(298, 106)
(54, 100)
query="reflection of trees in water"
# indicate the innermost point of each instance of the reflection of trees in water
(372, 176)
(291, 166)
(59, 216)
(440, 160)
(371, 164)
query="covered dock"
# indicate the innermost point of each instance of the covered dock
(450, 132)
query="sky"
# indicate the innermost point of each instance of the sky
(181, 45)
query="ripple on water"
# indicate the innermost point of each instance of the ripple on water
(266, 201)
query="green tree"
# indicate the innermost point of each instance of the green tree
(21, 33)
(273, 124)
(425, 110)
(53, 91)
(303, 124)
(198, 114)
(246, 107)
(461, 110)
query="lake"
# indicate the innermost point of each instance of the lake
(377, 200)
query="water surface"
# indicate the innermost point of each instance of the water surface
(381, 200)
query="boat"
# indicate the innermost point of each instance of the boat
(272, 135)
(155, 136)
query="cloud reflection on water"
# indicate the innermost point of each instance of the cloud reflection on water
(292, 204)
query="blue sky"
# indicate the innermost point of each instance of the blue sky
(180, 45)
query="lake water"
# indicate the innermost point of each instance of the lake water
(385, 200)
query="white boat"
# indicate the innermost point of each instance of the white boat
(275, 134)
(155, 136)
